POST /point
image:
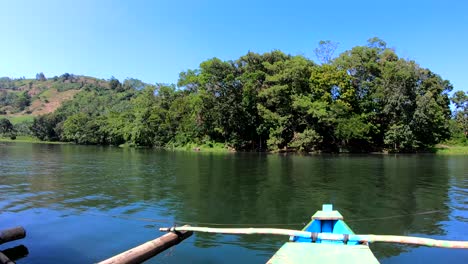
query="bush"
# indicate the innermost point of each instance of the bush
(306, 141)
(23, 128)
(62, 87)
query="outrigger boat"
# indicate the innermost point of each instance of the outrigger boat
(313, 249)
(325, 239)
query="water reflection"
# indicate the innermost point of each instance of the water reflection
(75, 182)
(16, 253)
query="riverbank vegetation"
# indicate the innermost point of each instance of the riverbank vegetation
(28, 139)
(445, 149)
(365, 99)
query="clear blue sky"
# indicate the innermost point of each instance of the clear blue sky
(155, 40)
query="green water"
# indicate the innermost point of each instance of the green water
(82, 204)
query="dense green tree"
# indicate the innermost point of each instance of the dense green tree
(252, 74)
(460, 100)
(23, 128)
(144, 122)
(366, 99)
(115, 84)
(286, 79)
(430, 122)
(184, 117)
(8, 98)
(6, 127)
(221, 116)
(164, 127)
(307, 140)
(81, 129)
(22, 100)
(134, 84)
(47, 127)
(6, 83)
(396, 96)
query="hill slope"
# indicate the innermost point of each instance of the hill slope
(33, 97)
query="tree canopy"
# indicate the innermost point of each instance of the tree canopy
(364, 99)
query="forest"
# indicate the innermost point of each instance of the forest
(366, 99)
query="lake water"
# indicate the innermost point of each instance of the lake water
(83, 204)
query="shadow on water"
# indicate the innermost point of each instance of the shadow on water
(15, 253)
(68, 190)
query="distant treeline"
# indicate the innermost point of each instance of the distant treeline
(365, 99)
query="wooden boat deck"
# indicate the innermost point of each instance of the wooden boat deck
(292, 252)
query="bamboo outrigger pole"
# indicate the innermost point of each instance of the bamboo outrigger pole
(12, 234)
(149, 249)
(8, 235)
(5, 260)
(325, 236)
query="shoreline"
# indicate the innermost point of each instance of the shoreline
(26, 139)
(439, 149)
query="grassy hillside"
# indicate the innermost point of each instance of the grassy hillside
(22, 99)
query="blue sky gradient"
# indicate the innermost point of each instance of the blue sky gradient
(155, 40)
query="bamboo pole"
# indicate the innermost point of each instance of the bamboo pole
(5, 260)
(248, 231)
(149, 249)
(11, 234)
(326, 236)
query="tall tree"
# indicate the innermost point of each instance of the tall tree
(144, 121)
(115, 84)
(6, 126)
(46, 127)
(40, 77)
(285, 80)
(325, 51)
(460, 100)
